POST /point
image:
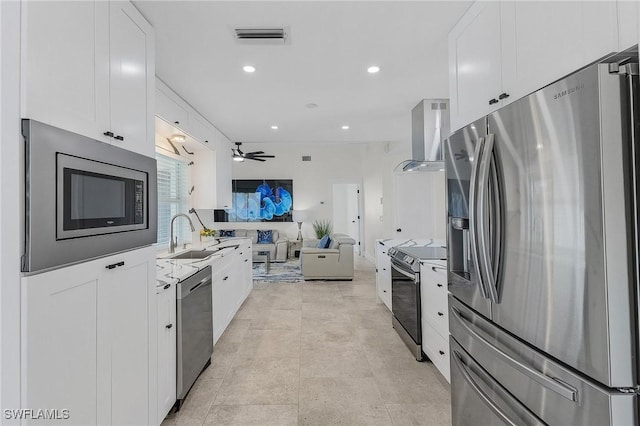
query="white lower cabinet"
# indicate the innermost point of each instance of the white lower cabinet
(89, 340)
(246, 267)
(221, 280)
(166, 329)
(383, 273)
(435, 314)
(232, 283)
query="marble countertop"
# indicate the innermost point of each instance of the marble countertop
(172, 271)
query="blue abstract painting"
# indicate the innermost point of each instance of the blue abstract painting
(265, 200)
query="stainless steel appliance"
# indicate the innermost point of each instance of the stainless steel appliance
(194, 332)
(405, 292)
(83, 198)
(543, 255)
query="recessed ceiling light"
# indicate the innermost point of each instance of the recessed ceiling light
(373, 69)
(249, 68)
(345, 127)
(274, 127)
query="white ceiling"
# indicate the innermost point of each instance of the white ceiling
(332, 44)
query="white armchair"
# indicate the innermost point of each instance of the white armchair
(333, 263)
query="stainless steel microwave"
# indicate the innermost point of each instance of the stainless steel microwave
(83, 198)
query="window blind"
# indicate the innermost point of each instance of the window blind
(173, 196)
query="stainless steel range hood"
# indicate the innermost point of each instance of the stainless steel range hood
(429, 127)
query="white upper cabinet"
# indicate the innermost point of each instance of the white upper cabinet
(92, 75)
(544, 41)
(132, 78)
(170, 107)
(502, 51)
(223, 171)
(475, 74)
(65, 68)
(628, 19)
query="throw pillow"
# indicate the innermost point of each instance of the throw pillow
(265, 237)
(324, 242)
(227, 233)
(328, 243)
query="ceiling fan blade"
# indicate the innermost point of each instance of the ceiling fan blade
(254, 153)
(255, 159)
(261, 156)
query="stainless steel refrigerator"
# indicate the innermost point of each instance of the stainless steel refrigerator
(543, 256)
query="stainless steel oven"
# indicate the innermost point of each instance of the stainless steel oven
(83, 198)
(405, 291)
(405, 301)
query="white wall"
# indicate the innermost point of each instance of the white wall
(11, 211)
(371, 163)
(312, 181)
(378, 163)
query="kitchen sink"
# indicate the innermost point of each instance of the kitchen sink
(194, 254)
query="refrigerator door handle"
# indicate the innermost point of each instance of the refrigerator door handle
(484, 255)
(473, 212)
(478, 390)
(550, 383)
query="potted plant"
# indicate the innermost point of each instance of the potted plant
(322, 228)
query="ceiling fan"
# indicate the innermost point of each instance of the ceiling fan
(238, 155)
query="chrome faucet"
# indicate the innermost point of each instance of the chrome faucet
(173, 244)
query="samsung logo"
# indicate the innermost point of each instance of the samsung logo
(568, 91)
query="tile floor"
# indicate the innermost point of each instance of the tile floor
(315, 353)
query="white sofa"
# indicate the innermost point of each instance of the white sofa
(333, 263)
(277, 250)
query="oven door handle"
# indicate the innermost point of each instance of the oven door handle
(411, 275)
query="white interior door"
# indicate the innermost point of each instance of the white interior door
(346, 211)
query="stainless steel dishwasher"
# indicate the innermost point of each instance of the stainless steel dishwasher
(194, 330)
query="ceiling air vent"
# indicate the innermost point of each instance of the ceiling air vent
(262, 35)
(306, 158)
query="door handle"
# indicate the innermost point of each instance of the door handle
(120, 138)
(493, 101)
(115, 265)
(439, 285)
(169, 325)
(486, 267)
(108, 133)
(503, 96)
(473, 227)
(542, 379)
(440, 314)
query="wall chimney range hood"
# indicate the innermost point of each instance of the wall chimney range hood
(429, 127)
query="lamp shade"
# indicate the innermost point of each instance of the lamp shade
(299, 215)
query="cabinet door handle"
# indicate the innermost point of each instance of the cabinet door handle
(114, 265)
(110, 134)
(440, 314)
(493, 101)
(439, 285)
(176, 122)
(399, 230)
(246, 260)
(441, 352)
(166, 286)
(206, 141)
(384, 269)
(120, 138)
(169, 325)
(322, 256)
(225, 278)
(503, 96)
(384, 291)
